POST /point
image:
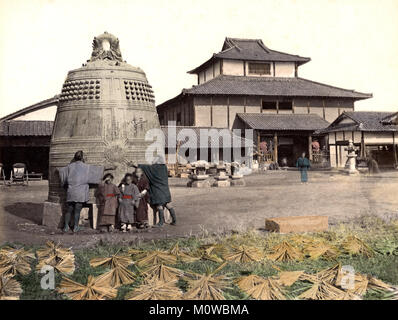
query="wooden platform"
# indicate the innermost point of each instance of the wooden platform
(297, 224)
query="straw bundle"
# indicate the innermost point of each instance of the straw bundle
(285, 252)
(207, 286)
(15, 261)
(93, 290)
(156, 290)
(10, 289)
(162, 273)
(261, 289)
(244, 254)
(355, 246)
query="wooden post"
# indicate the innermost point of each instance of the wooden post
(310, 148)
(259, 157)
(363, 152)
(275, 147)
(395, 150)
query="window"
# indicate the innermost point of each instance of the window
(259, 68)
(269, 105)
(285, 105)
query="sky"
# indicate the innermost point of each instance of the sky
(352, 43)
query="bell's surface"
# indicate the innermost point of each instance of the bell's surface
(105, 109)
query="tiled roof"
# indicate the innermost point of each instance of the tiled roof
(283, 122)
(254, 49)
(362, 121)
(26, 128)
(250, 50)
(391, 119)
(271, 86)
(197, 142)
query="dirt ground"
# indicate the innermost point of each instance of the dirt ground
(268, 194)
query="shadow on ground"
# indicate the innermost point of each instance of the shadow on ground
(26, 210)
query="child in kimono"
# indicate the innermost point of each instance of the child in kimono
(128, 202)
(108, 196)
(142, 210)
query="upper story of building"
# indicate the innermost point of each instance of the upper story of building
(248, 77)
(248, 57)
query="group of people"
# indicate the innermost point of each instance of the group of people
(125, 205)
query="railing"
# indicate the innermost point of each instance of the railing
(320, 158)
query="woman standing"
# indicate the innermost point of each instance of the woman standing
(303, 164)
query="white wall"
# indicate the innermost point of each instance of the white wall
(233, 67)
(284, 69)
(217, 68)
(220, 116)
(378, 138)
(201, 77)
(331, 114)
(209, 73)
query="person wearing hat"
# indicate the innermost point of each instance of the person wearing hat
(107, 194)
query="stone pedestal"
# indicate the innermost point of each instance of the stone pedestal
(199, 178)
(53, 217)
(221, 180)
(198, 181)
(221, 183)
(237, 180)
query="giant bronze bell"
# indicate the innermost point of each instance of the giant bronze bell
(105, 109)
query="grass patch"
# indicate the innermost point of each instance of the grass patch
(381, 236)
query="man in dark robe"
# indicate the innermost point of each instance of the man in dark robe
(303, 164)
(159, 192)
(76, 177)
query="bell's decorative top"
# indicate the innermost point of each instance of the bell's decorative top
(106, 47)
(106, 107)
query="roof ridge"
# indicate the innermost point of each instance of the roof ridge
(34, 107)
(8, 121)
(261, 43)
(335, 87)
(281, 114)
(226, 50)
(391, 112)
(258, 41)
(234, 45)
(201, 84)
(289, 54)
(242, 39)
(352, 118)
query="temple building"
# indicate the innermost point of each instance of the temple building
(248, 85)
(375, 134)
